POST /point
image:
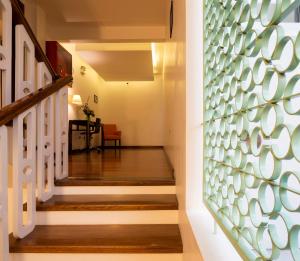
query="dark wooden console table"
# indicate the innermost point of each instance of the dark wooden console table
(82, 126)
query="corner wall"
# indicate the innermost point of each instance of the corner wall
(36, 18)
(174, 81)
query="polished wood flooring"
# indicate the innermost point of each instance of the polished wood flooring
(119, 167)
(108, 203)
(100, 239)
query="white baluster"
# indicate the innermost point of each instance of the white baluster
(5, 51)
(24, 171)
(25, 63)
(61, 134)
(45, 156)
(3, 194)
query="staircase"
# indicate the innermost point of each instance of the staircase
(81, 219)
(54, 215)
(118, 225)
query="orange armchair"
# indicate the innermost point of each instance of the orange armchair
(110, 133)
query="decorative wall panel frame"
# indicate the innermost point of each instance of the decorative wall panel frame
(252, 125)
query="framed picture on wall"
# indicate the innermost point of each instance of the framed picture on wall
(95, 98)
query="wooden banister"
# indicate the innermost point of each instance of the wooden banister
(19, 18)
(8, 113)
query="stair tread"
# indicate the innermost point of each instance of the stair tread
(100, 239)
(126, 181)
(109, 202)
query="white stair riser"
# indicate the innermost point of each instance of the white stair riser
(107, 217)
(109, 190)
(96, 257)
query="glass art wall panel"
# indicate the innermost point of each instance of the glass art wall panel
(252, 124)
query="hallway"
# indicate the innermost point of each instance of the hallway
(119, 60)
(148, 166)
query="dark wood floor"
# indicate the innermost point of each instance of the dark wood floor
(100, 239)
(119, 167)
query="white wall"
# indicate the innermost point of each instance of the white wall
(136, 108)
(174, 79)
(31, 13)
(183, 134)
(36, 18)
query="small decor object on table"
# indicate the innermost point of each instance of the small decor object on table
(87, 111)
(95, 98)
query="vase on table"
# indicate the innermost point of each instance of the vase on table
(88, 118)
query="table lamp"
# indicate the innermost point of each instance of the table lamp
(77, 99)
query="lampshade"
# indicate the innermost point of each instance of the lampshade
(76, 99)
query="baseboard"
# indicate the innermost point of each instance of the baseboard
(76, 151)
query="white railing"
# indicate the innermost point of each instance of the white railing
(40, 134)
(3, 194)
(34, 148)
(5, 51)
(5, 67)
(61, 134)
(24, 171)
(25, 63)
(45, 158)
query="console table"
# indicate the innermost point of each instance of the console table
(83, 126)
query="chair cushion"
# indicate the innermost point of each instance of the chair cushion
(112, 137)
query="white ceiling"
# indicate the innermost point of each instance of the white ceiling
(107, 12)
(115, 65)
(105, 21)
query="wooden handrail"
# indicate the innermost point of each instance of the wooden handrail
(19, 18)
(9, 112)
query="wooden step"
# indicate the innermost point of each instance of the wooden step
(108, 203)
(126, 181)
(100, 239)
